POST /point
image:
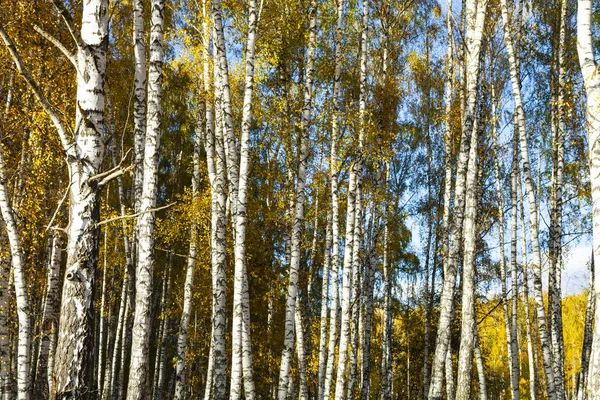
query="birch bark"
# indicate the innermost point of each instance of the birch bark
(18, 269)
(333, 178)
(292, 294)
(476, 11)
(533, 204)
(140, 350)
(591, 79)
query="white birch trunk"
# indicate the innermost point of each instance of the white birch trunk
(386, 357)
(18, 269)
(325, 295)
(296, 237)
(333, 178)
(140, 350)
(49, 318)
(476, 11)
(189, 278)
(467, 342)
(555, 245)
(480, 368)
(533, 204)
(586, 347)
(241, 364)
(218, 243)
(591, 79)
(139, 105)
(511, 343)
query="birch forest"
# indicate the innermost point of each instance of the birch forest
(299, 199)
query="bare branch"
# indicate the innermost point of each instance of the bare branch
(114, 175)
(58, 207)
(68, 19)
(68, 146)
(100, 177)
(108, 221)
(70, 56)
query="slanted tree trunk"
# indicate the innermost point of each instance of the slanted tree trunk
(140, 350)
(533, 204)
(476, 11)
(591, 80)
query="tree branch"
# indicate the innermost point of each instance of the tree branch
(68, 19)
(106, 176)
(68, 145)
(70, 56)
(137, 214)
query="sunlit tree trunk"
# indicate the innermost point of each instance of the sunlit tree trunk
(555, 247)
(218, 244)
(140, 350)
(139, 100)
(586, 346)
(476, 11)
(480, 367)
(18, 270)
(242, 352)
(533, 204)
(467, 342)
(591, 80)
(511, 342)
(49, 318)
(325, 295)
(292, 315)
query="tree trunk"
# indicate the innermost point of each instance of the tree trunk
(587, 339)
(467, 343)
(533, 204)
(18, 269)
(324, 309)
(140, 350)
(49, 318)
(333, 178)
(476, 11)
(292, 294)
(511, 340)
(591, 79)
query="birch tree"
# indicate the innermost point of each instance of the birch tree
(591, 80)
(140, 350)
(475, 17)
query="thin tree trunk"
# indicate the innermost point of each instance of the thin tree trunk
(242, 351)
(468, 323)
(533, 206)
(555, 247)
(218, 245)
(20, 285)
(480, 368)
(49, 318)
(591, 79)
(386, 356)
(140, 350)
(368, 317)
(511, 340)
(586, 347)
(324, 309)
(476, 11)
(291, 315)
